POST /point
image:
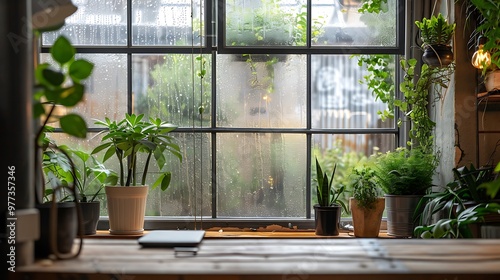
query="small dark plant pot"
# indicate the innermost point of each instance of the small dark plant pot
(327, 220)
(90, 216)
(67, 228)
(438, 55)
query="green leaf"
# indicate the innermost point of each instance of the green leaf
(62, 51)
(38, 110)
(74, 125)
(80, 69)
(52, 77)
(71, 96)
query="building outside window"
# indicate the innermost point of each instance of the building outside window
(280, 86)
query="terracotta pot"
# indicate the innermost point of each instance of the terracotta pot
(327, 220)
(366, 222)
(126, 209)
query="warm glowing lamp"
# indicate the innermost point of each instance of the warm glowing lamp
(481, 59)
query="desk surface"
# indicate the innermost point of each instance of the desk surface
(288, 258)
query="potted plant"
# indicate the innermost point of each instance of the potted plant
(436, 34)
(459, 226)
(89, 177)
(487, 16)
(58, 85)
(467, 191)
(58, 211)
(328, 211)
(367, 203)
(126, 140)
(404, 175)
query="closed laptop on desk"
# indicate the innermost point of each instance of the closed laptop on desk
(172, 238)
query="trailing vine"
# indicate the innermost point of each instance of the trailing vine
(415, 88)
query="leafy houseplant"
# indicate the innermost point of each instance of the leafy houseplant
(126, 140)
(404, 175)
(466, 191)
(366, 204)
(415, 88)
(436, 34)
(329, 207)
(458, 227)
(82, 170)
(58, 85)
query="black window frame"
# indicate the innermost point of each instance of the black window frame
(215, 45)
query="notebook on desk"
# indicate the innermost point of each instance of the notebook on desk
(172, 238)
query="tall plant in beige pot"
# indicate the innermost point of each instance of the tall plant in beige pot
(126, 140)
(367, 203)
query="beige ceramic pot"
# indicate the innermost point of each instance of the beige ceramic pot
(126, 209)
(492, 81)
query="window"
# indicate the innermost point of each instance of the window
(279, 87)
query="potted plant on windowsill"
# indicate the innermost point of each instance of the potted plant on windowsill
(127, 139)
(436, 34)
(328, 211)
(89, 176)
(367, 203)
(404, 176)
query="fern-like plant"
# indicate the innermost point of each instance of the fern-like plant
(435, 30)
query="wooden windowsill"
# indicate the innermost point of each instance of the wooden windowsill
(215, 234)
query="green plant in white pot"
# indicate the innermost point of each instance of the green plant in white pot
(126, 140)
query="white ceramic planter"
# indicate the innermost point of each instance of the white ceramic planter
(126, 209)
(492, 81)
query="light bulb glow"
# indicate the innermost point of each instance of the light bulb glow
(481, 59)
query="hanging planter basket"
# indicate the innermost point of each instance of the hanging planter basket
(438, 55)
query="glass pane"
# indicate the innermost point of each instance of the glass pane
(96, 22)
(167, 22)
(105, 89)
(339, 100)
(345, 150)
(257, 91)
(266, 23)
(190, 189)
(261, 175)
(345, 25)
(166, 86)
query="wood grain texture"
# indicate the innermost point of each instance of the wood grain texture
(280, 258)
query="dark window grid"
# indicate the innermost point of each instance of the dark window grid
(214, 130)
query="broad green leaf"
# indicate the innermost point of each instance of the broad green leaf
(71, 96)
(74, 125)
(80, 69)
(52, 77)
(62, 51)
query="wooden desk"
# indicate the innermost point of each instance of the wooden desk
(284, 258)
